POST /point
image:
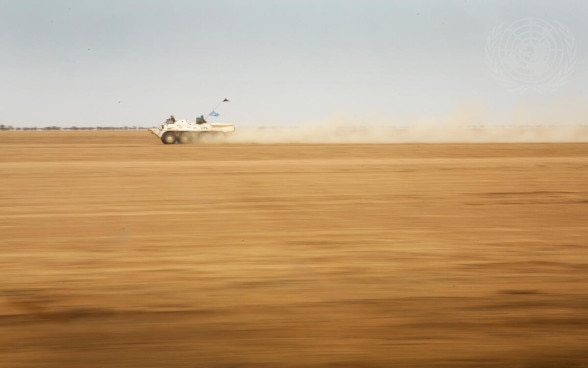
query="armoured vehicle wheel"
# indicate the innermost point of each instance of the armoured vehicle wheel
(168, 138)
(185, 137)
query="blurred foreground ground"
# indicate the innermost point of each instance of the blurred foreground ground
(118, 251)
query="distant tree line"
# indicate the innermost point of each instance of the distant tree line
(9, 127)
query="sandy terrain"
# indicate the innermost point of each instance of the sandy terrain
(119, 251)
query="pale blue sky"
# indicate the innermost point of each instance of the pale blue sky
(133, 62)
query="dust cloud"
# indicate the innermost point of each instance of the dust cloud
(470, 123)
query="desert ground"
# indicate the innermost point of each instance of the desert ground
(119, 251)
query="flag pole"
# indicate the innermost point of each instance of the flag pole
(216, 107)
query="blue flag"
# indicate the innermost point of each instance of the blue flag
(213, 113)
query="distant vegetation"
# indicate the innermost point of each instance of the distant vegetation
(9, 127)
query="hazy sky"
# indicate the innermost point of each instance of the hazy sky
(134, 62)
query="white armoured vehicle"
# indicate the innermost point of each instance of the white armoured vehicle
(186, 131)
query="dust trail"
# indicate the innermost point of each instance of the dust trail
(467, 124)
(414, 134)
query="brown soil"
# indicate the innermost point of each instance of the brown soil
(119, 251)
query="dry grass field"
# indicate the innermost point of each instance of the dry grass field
(119, 251)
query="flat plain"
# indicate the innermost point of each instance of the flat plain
(119, 251)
